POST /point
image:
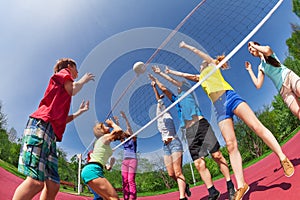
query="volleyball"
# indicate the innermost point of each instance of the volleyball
(139, 67)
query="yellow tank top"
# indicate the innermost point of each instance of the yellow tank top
(215, 82)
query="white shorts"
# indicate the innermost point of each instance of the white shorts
(289, 88)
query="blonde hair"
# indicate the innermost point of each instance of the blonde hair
(63, 63)
(98, 130)
(219, 59)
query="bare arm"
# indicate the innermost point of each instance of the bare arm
(162, 87)
(198, 52)
(74, 87)
(84, 106)
(129, 129)
(175, 82)
(116, 129)
(153, 84)
(265, 50)
(191, 77)
(111, 164)
(259, 80)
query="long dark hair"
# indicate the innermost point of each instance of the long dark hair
(270, 60)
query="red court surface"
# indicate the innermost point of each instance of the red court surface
(266, 180)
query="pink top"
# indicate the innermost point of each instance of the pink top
(55, 105)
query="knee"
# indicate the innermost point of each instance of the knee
(172, 175)
(178, 174)
(217, 156)
(200, 164)
(38, 184)
(232, 146)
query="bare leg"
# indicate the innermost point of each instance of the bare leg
(49, 191)
(221, 161)
(177, 165)
(244, 112)
(295, 108)
(28, 189)
(204, 172)
(227, 130)
(103, 187)
(174, 172)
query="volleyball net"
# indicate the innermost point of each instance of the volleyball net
(214, 26)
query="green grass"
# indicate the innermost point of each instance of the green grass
(12, 169)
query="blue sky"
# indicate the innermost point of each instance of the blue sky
(35, 34)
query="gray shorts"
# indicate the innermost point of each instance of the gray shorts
(201, 139)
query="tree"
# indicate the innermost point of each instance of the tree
(296, 7)
(3, 118)
(12, 135)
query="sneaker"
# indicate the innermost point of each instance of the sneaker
(288, 167)
(241, 192)
(184, 198)
(187, 190)
(214, 196)
(231, 192)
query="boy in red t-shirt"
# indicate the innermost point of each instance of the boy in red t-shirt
(38, 158)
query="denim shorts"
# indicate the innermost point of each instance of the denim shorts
(91, 171)
(38, 157)
(174, 146)
(226, 104)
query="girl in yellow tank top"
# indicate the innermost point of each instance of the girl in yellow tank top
(227, 102)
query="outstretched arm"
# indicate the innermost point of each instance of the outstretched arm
(129, 129)
(192, 77)
(162, 87)
(74, 87)
(84, 106)
(153, 84)
(265, 50)
(175, 82)
(259, 80)
(112, 124)
(198, 52)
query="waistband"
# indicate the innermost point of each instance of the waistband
(96, 163)
(36, 122)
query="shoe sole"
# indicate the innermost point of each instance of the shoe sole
(290, 175)
(245, 192)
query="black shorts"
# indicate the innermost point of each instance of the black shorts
(201, 139)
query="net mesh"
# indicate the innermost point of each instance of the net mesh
(215, 27)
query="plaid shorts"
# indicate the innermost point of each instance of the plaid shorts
(38, 158)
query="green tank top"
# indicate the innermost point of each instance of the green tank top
(101, 153)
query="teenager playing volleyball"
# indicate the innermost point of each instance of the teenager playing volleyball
(172, 145)
(200, 136)
(286, 81)
(92, 173)
(107, 167)
(38, 158)
(228, 103)
(130, 162)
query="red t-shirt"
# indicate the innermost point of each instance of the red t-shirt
(55, 105)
